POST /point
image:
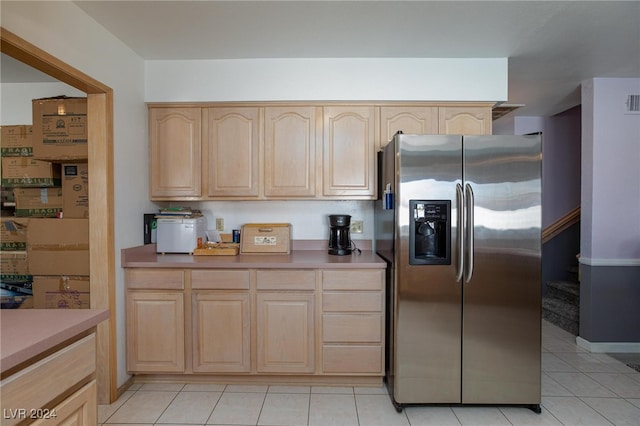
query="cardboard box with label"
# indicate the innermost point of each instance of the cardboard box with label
(14, 262)
(61, 292)
(17, 141)
(16, 291)
(12, 300)
(60, 128)
(58, 246)
(13, 233)
(75, 190)
(29, 172)
(38, 202)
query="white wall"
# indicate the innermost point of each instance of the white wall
(409, 79)
(15, 99)
(66, 32)
(610, 173)
(309, 219)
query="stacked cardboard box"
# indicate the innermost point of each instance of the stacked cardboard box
(60, 129)
(17, 141)
(58, 258)
(38, 202)
(46, 167)
(75, 190)
(15, 281)
(61, 292)
(35, 185)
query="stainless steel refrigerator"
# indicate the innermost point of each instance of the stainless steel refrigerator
(459, 222)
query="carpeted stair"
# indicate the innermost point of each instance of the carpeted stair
(561, 304)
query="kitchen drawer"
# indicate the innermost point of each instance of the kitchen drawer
(159, 279)
(81, 408)
(38, 384)
(352, 359)
(352, 280)
(220, 279)
(356, 328)
(286, 280)
(363, 301)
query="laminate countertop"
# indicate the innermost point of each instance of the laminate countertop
(26, 333)
(306, 257)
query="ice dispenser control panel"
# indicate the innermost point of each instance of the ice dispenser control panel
(430, 232)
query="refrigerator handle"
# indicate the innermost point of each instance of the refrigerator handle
(460, 236)
(470, 204)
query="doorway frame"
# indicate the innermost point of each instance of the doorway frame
(100, 184)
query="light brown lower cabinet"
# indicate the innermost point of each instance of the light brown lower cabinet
(79, 409)
(286, 332)
(285, 318)
(155, 331)
(307, 322)
(221, 332)
(28, 393)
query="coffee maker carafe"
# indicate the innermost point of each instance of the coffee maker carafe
(339, 238)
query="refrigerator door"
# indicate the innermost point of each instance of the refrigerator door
(502, 298)
(427, 299)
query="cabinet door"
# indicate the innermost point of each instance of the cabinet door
(464, 120)
(175, 152)
(81, 408)
(233, 145)
(155, 332)
(410, 120)
(286, 332)
(290, 151)
(221, 332)
(349, 157)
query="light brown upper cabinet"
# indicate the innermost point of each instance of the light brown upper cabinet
(290, 144)
(464, 120)
(249, 151)
(349, 151)
(233, 143)
(410, 120)
(175, 152)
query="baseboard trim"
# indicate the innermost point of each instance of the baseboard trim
(610, 347)
(126, 385)
(608, 262)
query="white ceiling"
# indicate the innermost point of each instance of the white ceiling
(552, 46)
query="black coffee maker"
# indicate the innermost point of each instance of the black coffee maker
(339, 238)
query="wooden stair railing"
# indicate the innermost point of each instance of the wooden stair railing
(561, 224)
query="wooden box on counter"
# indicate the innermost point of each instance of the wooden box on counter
(265, 238)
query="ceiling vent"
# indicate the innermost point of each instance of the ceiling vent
(500, 110)
(633, 103)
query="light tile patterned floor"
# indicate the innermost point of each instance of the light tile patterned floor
(578, 388)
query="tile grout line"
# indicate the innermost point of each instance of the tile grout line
(123, 402)
(168, 405)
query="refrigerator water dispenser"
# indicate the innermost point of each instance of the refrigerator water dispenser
(430, 232)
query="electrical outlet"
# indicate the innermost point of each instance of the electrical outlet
(219, 224)
(357, 227)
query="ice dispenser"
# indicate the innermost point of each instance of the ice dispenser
(430, 232)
